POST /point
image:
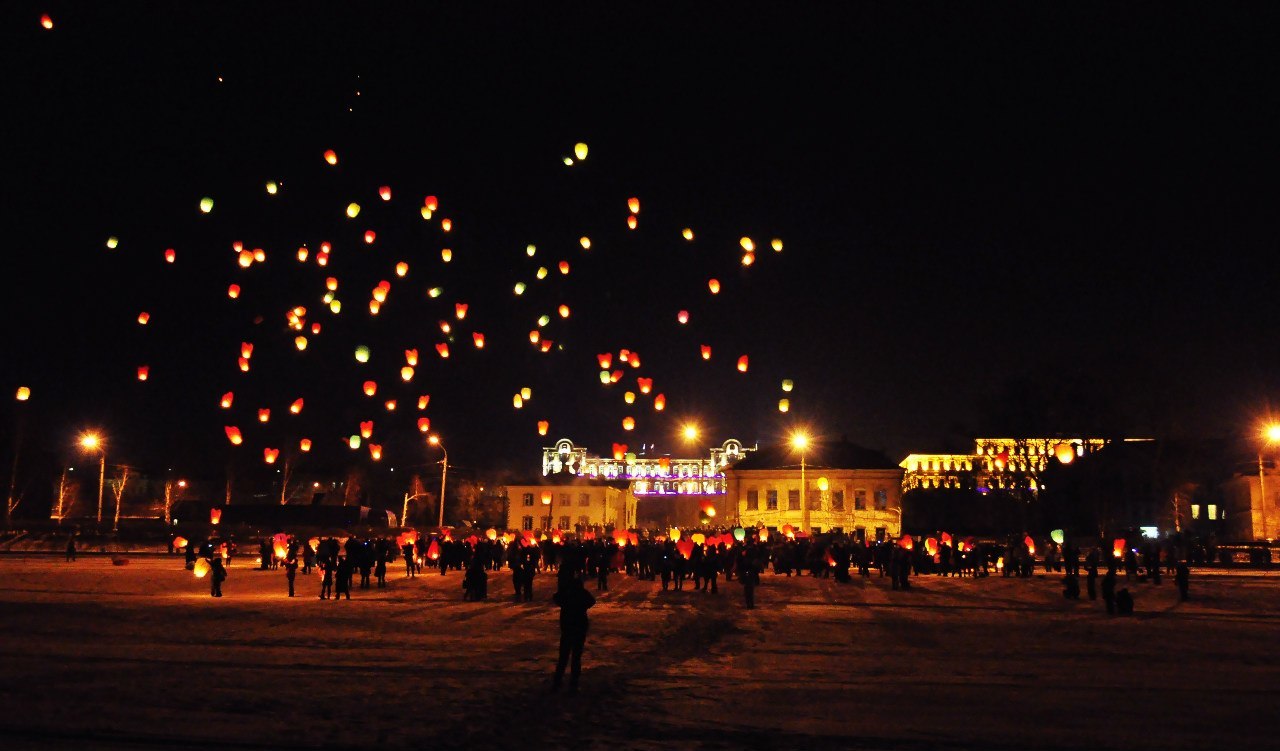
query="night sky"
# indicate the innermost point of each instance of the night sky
(1023, 217)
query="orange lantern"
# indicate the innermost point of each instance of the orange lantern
(460, 309)
(385, 192)
(905, 542)
(564, 311)
(619, 451)
(446, 225)
(201, 567)
(660, 402)
(24, 393)
(411, 357)
(1117, 547)
(305, 444)
(632, 223)
(433, 551)
(402, 268)
(264, 415)
(424, 424)
(446, 255)
(545, 345)
(605, 360)
(226, 400)
(244, 364)
(646, 385)
(215, 515)
(423, 401)
(296, 407)
(543, 426)
(390, 404)
(931, 546)
(628, 423)
(233, 435)
(270, 455)
(742, 364)
(633, 204)
(170, 255)
(180, 542)
(143, 372)
(431, 203)
(46, 22)
(1065, 453)
(302, 255)
(706, 352)
(331, 156)
(246, 350)
(478, 339)
(443, 349)
(406, 374)
(233, 291)
(375, 451)
(491, 533)
(615, 376)
(564, 267)
(366, 428)
(370, 388)
(714, 286)
(1030, 543)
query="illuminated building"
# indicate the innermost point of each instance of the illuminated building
(995, 464)
(648, 475)
(571, 504)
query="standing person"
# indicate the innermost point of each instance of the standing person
(380, 568)
(1091, 572)
(326, 580)
(291, 571)
(216, 575)
(1182, 577)
(71, 546)
(1109, 590)
(342, 579)
(574, 601)
(749, 576)
(410, 566)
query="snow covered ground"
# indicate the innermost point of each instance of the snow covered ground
(94, 655)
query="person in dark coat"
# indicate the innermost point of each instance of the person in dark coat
(217, 573)
(574, 601)
(342, 578)
(71, 547)
(749, 577)
(1124, 602)
(291, 571)
(1071, 586)
(380, 568)
(1109, 590)
(326, 580)
(1182, 577)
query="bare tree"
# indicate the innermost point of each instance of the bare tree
(117, 488)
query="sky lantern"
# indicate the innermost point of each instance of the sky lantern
(784, 405)
(353, 442)
(520, 288)
(300, 342)
(233, 435)
(445, 327)
(370, 388)
(628, 423)
(244, 364)
(585, 242)
(331, 156)
(742, 364)
(580, 151)
(362, 353)
(411, 356)
(530, 250)
(402, 268)
(624, 355)
(369, 237)
(1057, 536)
(335, 306)
(272, 188)
(748, 245)
(225, 403)
(543, 426)
(517, 401)
(534, 336)
(423, 401)
(202, 566)
(1065, 453)
(424, 424)
(446, 255)
(460, 309)
(180, 542)
(646, 385)
(143, 317)
(245, 258)
(787, 384)
(446, 225)
(619, 450)
(491, 534)
(206, 205)
(777, 244)
(46, 22)
(615, 376)
(632, 223)
(1117, 547)
(170, 255)
(478, 339)
(305, 444)
(905, 542)
(526, 393)
(714, 286)
(1030, 542)
(270, 455)
(113, 243)
(564, 267)
(683, 316)
(545, 345)
(432, 203)
(604, 377)
(353, 210)
(739, 534)
(264, 415)
(629, 397)
(385, 192)
(605, 360)
(564, 311)
(674, 534)
(443, 349)
(233, 291)
(24, 393)
(435, 292)
(143, 372)
(748, 259)
(406, 373)
(660, 402)
(706, 351)
(541, 273)
(375, 451)
(931, 546)
(633, 204)
(296, 407)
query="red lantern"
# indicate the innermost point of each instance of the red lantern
(305, 444)
(631, 222)
(385, 192)
(660, 402)
(423, 401)
(446, 225)
(375, 450)
(170, 255)
(143, 317)
(905, 542)
(143, 372)
(296, 407)
(619, 451)
(543, 426)
(460, 309)
(431, 203)
(331, 156)
(742, 364)
(215, 515)
(370, 388)
(226, 400)
(264, 415)
(270, 455)
(545, 345)
(233, 435)
(646, 385)
(564, 267)
(433, 551)
(246, 350)
(706, 352)
(369, 237)
(633, 203)
(411, 357)
(233, 291)
(605, 360)
(478, 339)
(931, 546)
(1118, 546)
(714, 286)
(443, 349)
(683, 316)
(424, 424)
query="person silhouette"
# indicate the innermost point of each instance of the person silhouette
(1182, 577)
(1109, 590)
(574, 600)
(217, 573)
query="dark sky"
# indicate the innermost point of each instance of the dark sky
(1081, 197)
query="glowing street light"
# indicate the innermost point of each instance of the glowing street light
(434, 440)
(690, 432)
(91, 442)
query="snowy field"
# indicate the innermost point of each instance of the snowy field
(140, 656)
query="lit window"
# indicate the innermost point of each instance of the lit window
(1195, 511)
(753, 500)
(771, 500)
(526, 522)
(1213, 511)
(564, 522)
(527, 500)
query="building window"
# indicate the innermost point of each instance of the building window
(1213, 510)
(771, 500)
(564, 499)
(881, 533)
(860, 535)
(815, 500)
(882, 499)
(564, 522)
(753, 500)
(793, 500)
(527, 499)
(584, 520)
(859, 500)
(837, 500)
(1195, 511)
(584, 499)
(526, 522)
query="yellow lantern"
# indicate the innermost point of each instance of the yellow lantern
(742, 364)
(529, 250)
(517, 401)
(787, 384)
(714, 286)
(687, 233)
(564, 311)
(748, 245)
(305, 444)
(24, 393)
(353, 210)
(206, 205)
(580, 151)
(543, 426)
(435, 292)
(629, 397)
(823, 484)
(526, 393)
(406, 374)
(520, 287)
(1065, 453)
(784, 405)
(628, 423)
(674, 534)
(335, 306)
(402, 268)
(543, 320)
(300, 342)
(272, 188)
(446, 255)
(585, 242)
(541, 273)
(777, 244)
(113, 243)
(362, 353)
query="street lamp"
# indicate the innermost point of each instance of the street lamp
(434, 440)
(92, 442)
(546, 501)
(1270, 434)
(800, 442)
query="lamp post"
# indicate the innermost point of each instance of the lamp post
(800, 442)
(434, 440)
(92, 442)
(1270, 434)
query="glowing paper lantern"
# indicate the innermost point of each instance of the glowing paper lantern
(748, 259)
(446, 225)
(564, 267)
(366, 428)
(543, 426)
(369, 237)
(1057, 536)
(433, 551)
(335, 306)
(683, 316)
(628, 423)
(143, 372)
(460, 309)
(564, 311)
(739, 534)
(931, 546)
(1030, 543)
(272, 188)
(270, 455)
(206, 205)
(296, 407)
(300, 342)
(674, 534)
(305, 444)
(787, 384)
(823, 484)
(605, 360)
(706, 352)
(264, 415)
(520, 288)
(424, 424)
(686, 233)
(435, 292)
(180, 542)
(585, 242)
(112, 243)
(491, 533)
(354, 442)
(423, 401)
(777, 244)
(905, 542)
(629, 397)
(619, 451)
(517, 401)
(478, 339)
(170, 255)
(24, 393)
(526, 393)
(446, 255)
(646, 385)
(246, 350)
(742, 364)
(714, 286)
(402, 268)
(215, 515)
(375, 451)
(545, 345)
(331, 156)
(1117, 547)
(634, 205)
(46, 21)
(443, 350)
(406, 373)
(580, 151)
(431, 203)
(244, 364)
(362, 353)
(201, 568)
(385, 192)
(143, 317)
(233, 435)
(411, 357)
(784, 405)
(660, 402)
(631, 222)
(534, 336)
(615, 376)
(353, 210)
(370, 388)
(245, 259)
(1065, 453)
(604, 377)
